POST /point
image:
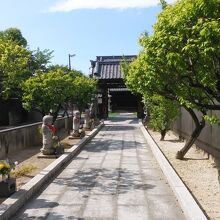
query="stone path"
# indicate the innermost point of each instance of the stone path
(114, 177)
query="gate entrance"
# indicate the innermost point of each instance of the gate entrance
(113, 95)
(121, 99)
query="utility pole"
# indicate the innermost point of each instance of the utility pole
(70, 55)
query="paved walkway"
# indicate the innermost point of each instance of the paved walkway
(114, 177)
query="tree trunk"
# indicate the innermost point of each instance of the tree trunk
(56, 114)
(6, 145)
(163, 133)
(219, 177)
(199, 126)
(65, 112)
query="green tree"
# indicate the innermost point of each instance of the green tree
(40, 60)
(162, 113)
(163, 3)
(84, 90)
(46, 92)
(13, 68)
(181, 61)
(15, 35)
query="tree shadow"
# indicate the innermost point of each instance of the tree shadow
(189, 158)
(38, 204)
(111, 127)
(106, 181)
(110, 145)
(173, 141)
(129, 120)
(51, 215)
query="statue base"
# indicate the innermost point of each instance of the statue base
(48, 151)
(59, 149)
(87, 129)
(77, 135)
(51, 152)
(72, 137)
(53, 156)
(7, 187)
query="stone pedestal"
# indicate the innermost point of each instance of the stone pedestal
(77, 135)
(59, 150)
(7, 187)
(48, 151)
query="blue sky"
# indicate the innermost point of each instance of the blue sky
(87, 28)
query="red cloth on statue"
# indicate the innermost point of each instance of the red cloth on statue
(52, 128)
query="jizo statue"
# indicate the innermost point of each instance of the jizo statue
(49, 139)
(87, 119)
(76, 127)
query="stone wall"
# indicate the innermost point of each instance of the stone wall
(18, 138)
(209, 139)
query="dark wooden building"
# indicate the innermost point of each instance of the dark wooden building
(112, 92)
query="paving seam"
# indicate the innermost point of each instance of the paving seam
(142, 178)
(11, 205)
(89, 194)
(119, 175)
(188, 204)
(79, 169)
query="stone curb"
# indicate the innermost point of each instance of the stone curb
(11, 205)
(188, 204)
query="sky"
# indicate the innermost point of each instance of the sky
(86, 28)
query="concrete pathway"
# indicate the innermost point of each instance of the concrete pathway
(114, 177)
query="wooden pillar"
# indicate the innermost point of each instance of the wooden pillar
(105, 103)
(140, 107)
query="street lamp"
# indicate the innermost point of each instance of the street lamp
(70, 55)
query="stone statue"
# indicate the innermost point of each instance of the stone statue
(76, 126)
(87, 120)
(76, 123)
(50, 141)
(93, 112)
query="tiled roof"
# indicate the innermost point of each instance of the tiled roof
(108, 67)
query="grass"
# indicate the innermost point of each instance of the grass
(113, 114)
(23, 170)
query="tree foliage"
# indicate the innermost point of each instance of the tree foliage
(181, 61)
(46, 92)
(163, 3)
(162, 113)
(13, 68)
(26, 75)
(18, 63)
(14, 35)
(84, 90)
(40, 59)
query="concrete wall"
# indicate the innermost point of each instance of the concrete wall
(18, 138)
(209, 139)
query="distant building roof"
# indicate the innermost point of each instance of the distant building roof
(119, 90)
(108, 67)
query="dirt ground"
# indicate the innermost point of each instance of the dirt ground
(198, 171)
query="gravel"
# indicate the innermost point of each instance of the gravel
(198, 171)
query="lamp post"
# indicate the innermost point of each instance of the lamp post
(70, 55)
